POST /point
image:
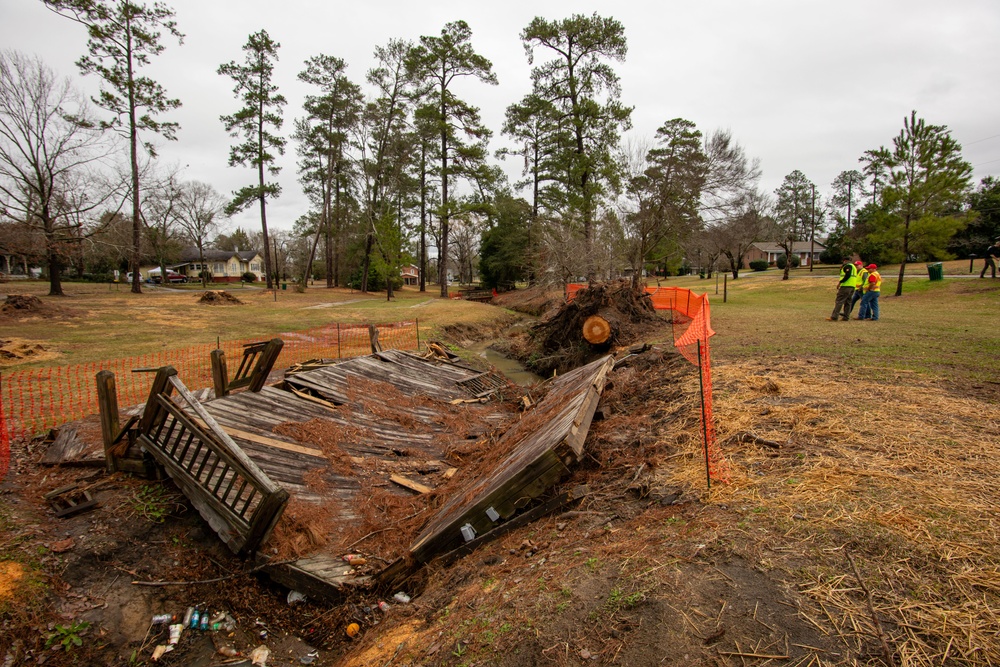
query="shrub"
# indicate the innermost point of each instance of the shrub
(759, 265)
(781, 261)
(249, 277)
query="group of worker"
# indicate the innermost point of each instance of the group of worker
(857, 283)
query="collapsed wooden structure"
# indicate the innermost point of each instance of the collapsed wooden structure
(239, 470)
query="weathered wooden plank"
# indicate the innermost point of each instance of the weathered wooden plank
(410, 484)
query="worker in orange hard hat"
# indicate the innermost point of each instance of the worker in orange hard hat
(869, 302)
(859, 290)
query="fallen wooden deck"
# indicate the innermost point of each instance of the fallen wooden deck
(334, 395)
(397, 416)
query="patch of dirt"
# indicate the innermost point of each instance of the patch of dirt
(219, 298)
(15, 351)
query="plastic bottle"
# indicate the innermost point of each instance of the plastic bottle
(195, 619)
(204, 622)
(162, 618)
(383, 606)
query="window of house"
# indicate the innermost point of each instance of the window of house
(219, 268)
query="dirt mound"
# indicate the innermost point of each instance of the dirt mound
(18, 350)
(26, 306)
(220, 298)
(537, 300)
(558, 343)
(23, 302)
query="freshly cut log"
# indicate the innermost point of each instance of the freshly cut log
(596, 330)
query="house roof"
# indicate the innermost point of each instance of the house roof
(797, 247)
(190, 254)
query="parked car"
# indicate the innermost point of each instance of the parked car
(154, 277)
(172, 276)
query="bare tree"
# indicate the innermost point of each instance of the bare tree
(48, 141)
(735, 235)
(199, 212)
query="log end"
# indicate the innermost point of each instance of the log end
(596, 330)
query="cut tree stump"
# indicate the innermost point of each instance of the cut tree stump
(596, 330)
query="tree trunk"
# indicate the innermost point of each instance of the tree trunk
(906, 254)
(52, 257)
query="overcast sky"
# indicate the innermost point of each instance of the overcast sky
(801, 85)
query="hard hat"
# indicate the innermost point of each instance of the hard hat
(872, 266)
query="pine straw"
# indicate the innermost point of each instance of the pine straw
(904, 477)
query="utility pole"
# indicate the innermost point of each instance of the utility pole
(812, 229)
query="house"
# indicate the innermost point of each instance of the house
(226, 266)
(771, 251)
(411, 275)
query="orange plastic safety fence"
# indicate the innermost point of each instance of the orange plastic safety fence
(37, 399)
(691, 322)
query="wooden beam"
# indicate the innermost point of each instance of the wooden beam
(264, 440)
(220, 374)
(410, 484)
(107, 402)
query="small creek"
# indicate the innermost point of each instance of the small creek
(511, 368)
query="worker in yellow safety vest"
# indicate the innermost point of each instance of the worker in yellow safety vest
(859, 290)
(869, 302)
(845, 290)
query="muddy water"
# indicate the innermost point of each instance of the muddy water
(511, 368)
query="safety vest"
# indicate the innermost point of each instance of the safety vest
(848, 276)
(874, 282)
(862, 279)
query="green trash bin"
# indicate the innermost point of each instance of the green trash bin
(935, 271)
(284, 286)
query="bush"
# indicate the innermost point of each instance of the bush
(249, 277)
(759, 265)
(781, 261)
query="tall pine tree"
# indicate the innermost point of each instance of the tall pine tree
(254, 122)
(437, 62)
(123, 37)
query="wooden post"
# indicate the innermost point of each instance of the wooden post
(220, 374)
(373, 334)
(107, 401)
(725, 287)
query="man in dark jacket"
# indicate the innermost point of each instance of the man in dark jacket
(845, 291)
(992, 257)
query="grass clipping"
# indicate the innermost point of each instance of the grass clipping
(901, 478)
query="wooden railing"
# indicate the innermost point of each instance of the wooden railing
(255, 365)
(228, 489)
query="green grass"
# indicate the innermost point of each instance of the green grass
(943, 328)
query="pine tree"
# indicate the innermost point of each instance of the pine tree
(254, 122)
(123, 36)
